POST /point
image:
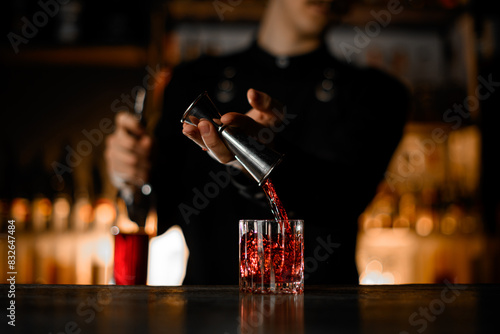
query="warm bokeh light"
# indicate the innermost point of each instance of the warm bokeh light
(61, 207)
(424, 226)
(20, 210)
(86, 213)
(45, 207)
(41, 212)
(151, 223)
(105, 212)
(374, 274)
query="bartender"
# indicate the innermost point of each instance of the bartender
(337, 125)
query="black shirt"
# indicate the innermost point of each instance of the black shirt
(342, 126)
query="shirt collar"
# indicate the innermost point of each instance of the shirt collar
(290, 62)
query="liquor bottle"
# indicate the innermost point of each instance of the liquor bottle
(64, 247)
(102, 241)
(138, 198)
(33, 209)
(132, 232)
(81, 218)
(3, 251)
(41, 210)
(5, 199)
(101, 238)
(51, 209)
(20, 212)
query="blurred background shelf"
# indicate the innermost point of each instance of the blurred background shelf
(416, 12)
(250, 11)
(90, 39)
(108, 56)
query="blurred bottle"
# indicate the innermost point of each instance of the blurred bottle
(68, 29)
(21, 213)
(45, 266)
(81, 217)
(64, 246)
(64, 249)
(6, 175)
(31, 207)
(6, 163)
(100, 234)
(52, 204)
(3, 251)
(102, 241)
(138, 199)
(133, 229)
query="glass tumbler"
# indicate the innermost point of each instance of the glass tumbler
(271, 256)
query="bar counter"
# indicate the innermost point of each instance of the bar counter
(398, 309)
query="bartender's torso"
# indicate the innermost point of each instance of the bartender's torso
(340, 128)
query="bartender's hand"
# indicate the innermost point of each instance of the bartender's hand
(127, 152)
(266, 112)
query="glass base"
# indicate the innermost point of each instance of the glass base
(276, 288)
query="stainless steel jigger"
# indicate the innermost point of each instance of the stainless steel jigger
(258, 159)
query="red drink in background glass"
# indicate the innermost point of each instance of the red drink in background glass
(131, 258)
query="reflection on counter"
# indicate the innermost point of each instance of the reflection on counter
(167, 311)
(271, 314)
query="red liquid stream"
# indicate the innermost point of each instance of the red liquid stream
(281, 251)
(277, 208)
(131, 258)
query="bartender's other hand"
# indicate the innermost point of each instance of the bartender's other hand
(127, 152)
(265, 112)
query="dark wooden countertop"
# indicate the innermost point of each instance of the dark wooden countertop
(397, 309)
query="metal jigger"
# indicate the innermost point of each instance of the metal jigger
(258, 159)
